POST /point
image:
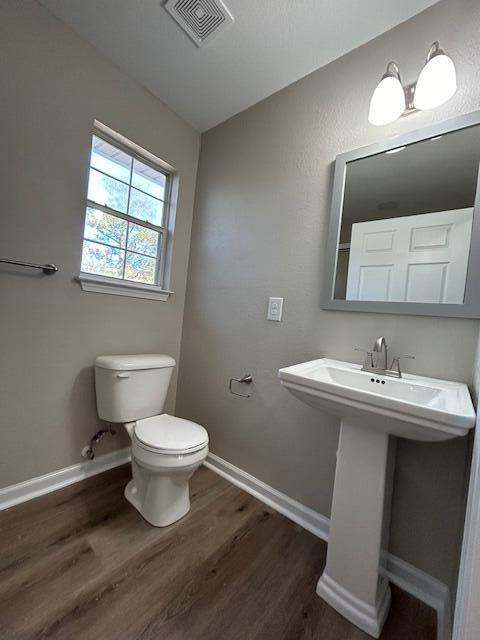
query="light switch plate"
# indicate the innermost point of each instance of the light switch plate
(275, 309)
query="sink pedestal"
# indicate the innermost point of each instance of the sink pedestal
(352, 582)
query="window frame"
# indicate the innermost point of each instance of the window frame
(120, 286)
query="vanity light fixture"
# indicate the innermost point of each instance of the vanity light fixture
(436, 84)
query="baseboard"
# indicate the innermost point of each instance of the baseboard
(307, 518)
(23, 491)
(426, 588)
(416, 582)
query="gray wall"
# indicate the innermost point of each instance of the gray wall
(260, 224)
(53, 86)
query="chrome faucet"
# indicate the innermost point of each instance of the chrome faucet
(379, 346)
(371, 365)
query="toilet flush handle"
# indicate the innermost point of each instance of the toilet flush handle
(123, 375)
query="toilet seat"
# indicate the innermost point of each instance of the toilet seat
(169, 435)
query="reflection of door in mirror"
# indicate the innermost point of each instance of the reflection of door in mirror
(416, 258)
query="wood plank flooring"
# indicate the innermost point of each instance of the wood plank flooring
(81, 564)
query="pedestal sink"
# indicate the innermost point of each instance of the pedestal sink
(373, 409)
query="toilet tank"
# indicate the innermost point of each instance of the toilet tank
(129, 388)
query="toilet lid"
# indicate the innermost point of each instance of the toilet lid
(170, 435)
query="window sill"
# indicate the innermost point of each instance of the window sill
(99, 284)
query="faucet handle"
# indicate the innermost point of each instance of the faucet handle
(368, 356)
(395, 366)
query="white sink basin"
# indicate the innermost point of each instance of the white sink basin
(411, 407)
(373, 408)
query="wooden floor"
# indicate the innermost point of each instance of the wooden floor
(81, 564)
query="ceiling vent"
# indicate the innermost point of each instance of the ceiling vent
(201, 20)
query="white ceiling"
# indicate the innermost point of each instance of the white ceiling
(271, 44)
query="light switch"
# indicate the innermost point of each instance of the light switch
(275, 308)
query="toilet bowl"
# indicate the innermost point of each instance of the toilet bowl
(166, 451)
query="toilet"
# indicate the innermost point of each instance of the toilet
(166, 451)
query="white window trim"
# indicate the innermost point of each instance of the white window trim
(101, 284)
(115, 286)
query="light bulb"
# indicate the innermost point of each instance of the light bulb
(388, 99)
(437, 82)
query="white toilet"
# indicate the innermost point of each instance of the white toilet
(166, 451)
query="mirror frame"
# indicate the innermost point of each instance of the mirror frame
(471, 305)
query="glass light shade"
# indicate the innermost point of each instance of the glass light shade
(388, 101)
(436, 84)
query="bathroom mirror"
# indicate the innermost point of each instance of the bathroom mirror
(405, 224)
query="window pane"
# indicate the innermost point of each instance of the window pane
(104, 261)
(142, 239)
(107, 191)
(105, 228)
(110, 160)
(146, 208)
(148, 180)
(140, 268)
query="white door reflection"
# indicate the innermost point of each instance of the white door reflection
(415, 258)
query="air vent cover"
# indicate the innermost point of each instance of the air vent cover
(200, 19)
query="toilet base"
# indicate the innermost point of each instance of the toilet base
(160, 505)
(159, 488)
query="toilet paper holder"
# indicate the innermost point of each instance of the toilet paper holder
(247, 379)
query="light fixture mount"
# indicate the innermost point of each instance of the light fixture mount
(392, 71)
(435, 51)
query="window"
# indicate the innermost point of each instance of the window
(126, 220)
